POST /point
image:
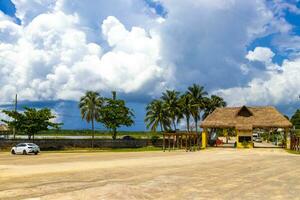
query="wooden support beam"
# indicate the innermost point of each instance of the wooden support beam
(186, 143)
(164, 142)
(180, 142)
(190, 142)
(169, 139)
(174, 140)
(196, 142)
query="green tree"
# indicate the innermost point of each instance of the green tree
(114, 114)
(296, 119)
(212, 103)
(90, 106)
(197, 94)
(156, 114)
(171, 103)
(31, 121)
(185, 102)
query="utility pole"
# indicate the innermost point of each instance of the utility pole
(16, 103)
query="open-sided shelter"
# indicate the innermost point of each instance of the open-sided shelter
(244, 119)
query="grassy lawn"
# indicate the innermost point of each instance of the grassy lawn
(137, 134)
(297, 131)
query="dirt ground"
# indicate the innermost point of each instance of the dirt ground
(216, 173)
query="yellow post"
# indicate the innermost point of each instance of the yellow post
(287, 138)
(204, 139)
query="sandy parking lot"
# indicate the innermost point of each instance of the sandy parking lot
(211, 174)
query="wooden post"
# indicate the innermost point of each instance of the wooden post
(186, 146)
(164, 143)
(169, 139)
(174, 140)
(190, 142)
(194, 142)
(180, 142)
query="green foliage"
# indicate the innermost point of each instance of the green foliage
(154, 138)
(114, 114)
(245, 144)
(103, 133)
(156, 114)
(171, 104)
(31, 121)
(186, 107)
(172, 107)
(90, 105)
(296, 119)
(197, 94)
(212, 103)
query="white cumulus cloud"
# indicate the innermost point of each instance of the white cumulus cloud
(273, 89)
(262, 54)
(50, 57)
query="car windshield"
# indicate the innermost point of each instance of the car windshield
(31, 144)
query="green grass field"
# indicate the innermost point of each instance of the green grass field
(137, 134)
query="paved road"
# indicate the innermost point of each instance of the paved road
(216, 173)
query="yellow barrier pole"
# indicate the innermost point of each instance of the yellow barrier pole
(204, 139)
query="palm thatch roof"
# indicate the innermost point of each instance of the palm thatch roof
(246, 118)
(3, 128)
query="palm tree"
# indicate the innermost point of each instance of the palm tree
(213, 102)
(197, 94)
(171, 101)
(90, 105)
(157, 115)
(186, 108)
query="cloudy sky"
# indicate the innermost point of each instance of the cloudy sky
(52, 51)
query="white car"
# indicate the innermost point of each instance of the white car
(25, 148)
(256, 138)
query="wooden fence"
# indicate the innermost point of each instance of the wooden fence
(188, 141)
(295, 142)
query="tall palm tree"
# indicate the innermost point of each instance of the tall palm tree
(171, 101)
(213, 102)
(186, 108)
(90, 105)
(197, 94)
(157, 115)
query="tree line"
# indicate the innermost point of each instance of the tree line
(111, 112)
(172, 107)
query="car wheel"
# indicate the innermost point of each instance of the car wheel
(36, 153)
(24, 152)
(13, 152)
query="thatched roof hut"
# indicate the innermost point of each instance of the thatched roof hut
(3, 128)
(246, 118)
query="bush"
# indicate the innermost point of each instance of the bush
(154, 138)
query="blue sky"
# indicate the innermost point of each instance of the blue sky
(52, 51)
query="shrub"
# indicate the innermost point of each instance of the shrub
(154, 139)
